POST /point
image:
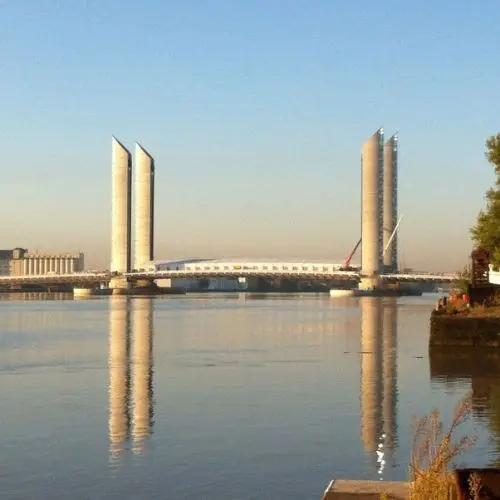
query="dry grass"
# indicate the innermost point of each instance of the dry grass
(482, 311)
(475, 487)
(434, 452)
(459, 308)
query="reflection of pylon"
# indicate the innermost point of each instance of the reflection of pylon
(370, 390)
(119, 374)
(142, 371)
(381, 456)
(389, 375)
(378, 390)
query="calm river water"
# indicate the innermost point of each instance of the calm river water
(222, 396)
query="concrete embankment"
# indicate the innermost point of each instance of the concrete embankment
(464, 330)
(366, 490)
(82, 292)
(377, 292)
(135, 291)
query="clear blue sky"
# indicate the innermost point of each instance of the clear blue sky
(255, 112)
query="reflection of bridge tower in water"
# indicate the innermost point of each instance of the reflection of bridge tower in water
(389, 374)
(119, 373)
(142, 371)
(130, 372)
(378, 391)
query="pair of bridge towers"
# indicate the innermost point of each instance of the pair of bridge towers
(121, 211)
(379, 208)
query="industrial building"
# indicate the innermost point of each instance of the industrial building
(21, 262)
(5, 258)
(26, 263)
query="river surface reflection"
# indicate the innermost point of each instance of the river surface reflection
(130, 373)
(223, 396)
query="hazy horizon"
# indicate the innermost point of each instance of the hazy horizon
(255, 114)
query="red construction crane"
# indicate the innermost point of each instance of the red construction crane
(347, 262)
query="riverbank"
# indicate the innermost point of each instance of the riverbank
(458, 324)
(465, 331)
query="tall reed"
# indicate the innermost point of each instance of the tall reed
(434, 451)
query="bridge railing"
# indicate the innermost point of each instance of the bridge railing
(82, 276)
(181, 273)
(421, 277)
(189, 273)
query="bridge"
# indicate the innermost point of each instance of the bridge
(86, 279)
(83, 279)
(378, 240)
(299, 274)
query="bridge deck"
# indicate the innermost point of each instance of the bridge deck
(105, 277)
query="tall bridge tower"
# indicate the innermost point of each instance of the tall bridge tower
(372, 162)
(121, 212)
(379, 208)
(390, 203)
(144, 207)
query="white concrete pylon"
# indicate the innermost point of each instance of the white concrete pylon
(121, 198)
(390, 204)
(371, 204)
(143, 207)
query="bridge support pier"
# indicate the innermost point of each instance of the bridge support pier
(288, 285)
(118, 283)
(370, 283)
(82, 292)
(263, 284)
(145, 283)
(257, 284)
